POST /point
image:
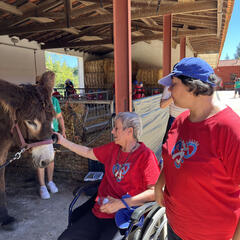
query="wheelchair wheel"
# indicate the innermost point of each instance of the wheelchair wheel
(157, 227)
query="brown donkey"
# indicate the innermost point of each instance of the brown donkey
(30, 107)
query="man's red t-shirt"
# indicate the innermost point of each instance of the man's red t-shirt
(140, 171)
(202, 172)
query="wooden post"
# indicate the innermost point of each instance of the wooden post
(167, 43)
(122, 55)
(182, 47)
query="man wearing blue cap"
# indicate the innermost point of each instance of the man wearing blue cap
(201, 159)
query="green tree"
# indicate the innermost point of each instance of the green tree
(62, 71)
(237, 53)
(227, 57)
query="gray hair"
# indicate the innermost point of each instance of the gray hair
(131, 119)
(199, 87)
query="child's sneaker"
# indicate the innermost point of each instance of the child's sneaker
(44, 194)
(52, 187)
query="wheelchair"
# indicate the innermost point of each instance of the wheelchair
(154, 226)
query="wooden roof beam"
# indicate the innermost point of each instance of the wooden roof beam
(175, 8)
(188, 43)
(194, 22)
(186, 1)
(197, 17)
(104, 19)
(90, 8)
(10, 9)
(34, 11)
(151, 4)
(41, 19)
(219, 17)
(100, 9)
(192, 33)
(95, 1)
(67, 11)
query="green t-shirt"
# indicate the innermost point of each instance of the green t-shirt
(237, 84)
(57, 109)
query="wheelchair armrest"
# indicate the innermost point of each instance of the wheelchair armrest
(77, 193)
(138, 212)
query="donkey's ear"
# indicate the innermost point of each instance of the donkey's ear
(11, 95)
(47, 81)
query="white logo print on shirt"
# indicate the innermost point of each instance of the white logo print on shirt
(183, 150)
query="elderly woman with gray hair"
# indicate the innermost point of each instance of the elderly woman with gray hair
(130, 168)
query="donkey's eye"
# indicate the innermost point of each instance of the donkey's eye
(32, 123)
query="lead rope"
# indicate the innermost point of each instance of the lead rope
(16, 157)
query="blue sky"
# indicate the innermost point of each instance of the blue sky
(70, 60)
(233, 35)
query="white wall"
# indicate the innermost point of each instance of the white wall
(151, 55)
(19, 64)
(22, 62)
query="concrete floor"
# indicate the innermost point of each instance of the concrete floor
(46, 219)
(227, 97)
(37, 219)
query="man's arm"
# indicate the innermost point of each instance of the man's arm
(236, 235)
(166, 102)
(60, 119)
(166, 99)
(159, 189)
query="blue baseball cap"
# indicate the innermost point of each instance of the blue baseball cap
(190, 67)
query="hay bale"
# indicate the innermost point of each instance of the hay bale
(149, 76)
(108, 65)
(95, 66)
(110, 78)
(73, 114)
(94, 80)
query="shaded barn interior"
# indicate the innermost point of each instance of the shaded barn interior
(87, 26)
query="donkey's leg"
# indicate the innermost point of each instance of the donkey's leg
(6, 221)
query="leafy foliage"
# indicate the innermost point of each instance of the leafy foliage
(62, 71)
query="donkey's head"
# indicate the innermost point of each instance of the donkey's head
(31, 107)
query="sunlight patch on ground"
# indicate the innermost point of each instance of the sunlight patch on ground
(227, 97)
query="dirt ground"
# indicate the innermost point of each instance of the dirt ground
(37, 219)
(46, 219)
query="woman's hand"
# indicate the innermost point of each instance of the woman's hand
(60, 137)
(112, 206)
